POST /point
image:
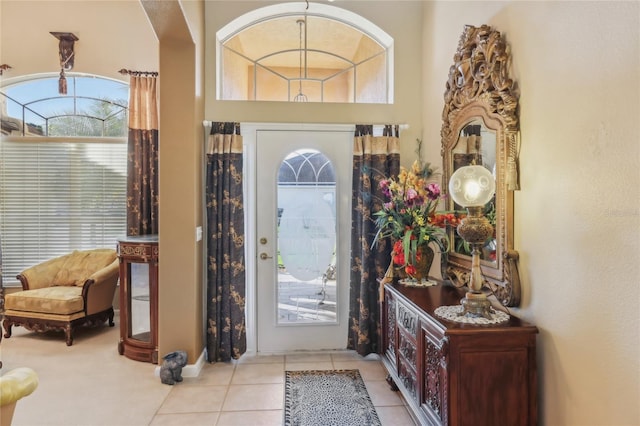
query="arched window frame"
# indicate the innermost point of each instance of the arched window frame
(120, 107)
(309, 9)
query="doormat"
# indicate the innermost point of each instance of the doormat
(327, 397)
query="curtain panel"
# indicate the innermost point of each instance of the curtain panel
(142, 157)
(226, 327)
(374, 159)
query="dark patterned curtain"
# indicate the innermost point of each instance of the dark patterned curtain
(226, 332)
(142, 158)
(374, 159)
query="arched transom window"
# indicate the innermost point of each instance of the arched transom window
(289, 53)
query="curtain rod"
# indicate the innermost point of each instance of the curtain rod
(402, 126)
(138, 73)
(207, 123)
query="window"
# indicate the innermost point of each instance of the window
(306, 197)
(323, 54)
(94, 107)
(64, 192)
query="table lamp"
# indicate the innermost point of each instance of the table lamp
(472, 187)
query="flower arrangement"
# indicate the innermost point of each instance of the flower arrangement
(408, 215)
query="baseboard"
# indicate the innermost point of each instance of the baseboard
(189, 370)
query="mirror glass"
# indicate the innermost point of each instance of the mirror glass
(480, 126)
(476, 145)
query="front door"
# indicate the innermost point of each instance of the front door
(303, 232)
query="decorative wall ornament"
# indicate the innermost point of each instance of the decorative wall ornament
(480, 91)
(67, 57)
(480, 73)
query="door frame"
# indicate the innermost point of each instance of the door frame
(249, 136)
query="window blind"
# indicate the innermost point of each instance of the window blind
(59, 195)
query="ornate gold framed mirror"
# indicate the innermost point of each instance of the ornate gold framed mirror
(480, 126)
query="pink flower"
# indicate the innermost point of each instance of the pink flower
(413, 198)
(433, 191)
(384, 187)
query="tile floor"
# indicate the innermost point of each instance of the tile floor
(89, 383)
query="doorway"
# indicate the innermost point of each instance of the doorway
(298, 244)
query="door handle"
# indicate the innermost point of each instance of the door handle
(265, 256)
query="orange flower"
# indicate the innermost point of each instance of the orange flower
(398, 253)
(410, 270)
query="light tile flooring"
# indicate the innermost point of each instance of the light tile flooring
(89, 383)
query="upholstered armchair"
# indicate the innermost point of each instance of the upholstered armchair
(64, 293)
(15, 385)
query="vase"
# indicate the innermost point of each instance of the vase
(424, 256)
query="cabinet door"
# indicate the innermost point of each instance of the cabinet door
(139, 290)
(493, 378)
(408, 350)
(390, 328)
(434, 382)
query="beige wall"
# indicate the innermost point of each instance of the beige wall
(179, 27)
(576, 225)
(577, 215)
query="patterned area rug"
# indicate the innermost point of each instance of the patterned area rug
(327, 397)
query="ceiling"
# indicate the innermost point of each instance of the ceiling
(101, 26)
(282, 34)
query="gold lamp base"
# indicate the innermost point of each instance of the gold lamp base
(477, 305)
(475, 229)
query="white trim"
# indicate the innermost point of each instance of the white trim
(189, 370)
(300, 8)
(249, 133)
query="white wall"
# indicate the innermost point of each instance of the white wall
(577, 214)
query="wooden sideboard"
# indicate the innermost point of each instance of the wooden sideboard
(457, 374)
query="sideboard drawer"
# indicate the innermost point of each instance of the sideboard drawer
(408, 319)
(408, 349)
(408, 379)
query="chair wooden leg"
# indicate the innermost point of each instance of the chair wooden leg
(68, 333)
(7, 328)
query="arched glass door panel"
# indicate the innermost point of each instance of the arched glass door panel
(306, 234)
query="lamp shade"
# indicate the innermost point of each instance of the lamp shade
(472, 186)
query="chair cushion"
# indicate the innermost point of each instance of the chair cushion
(17, 384)
(80, 265)
(50, 300)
